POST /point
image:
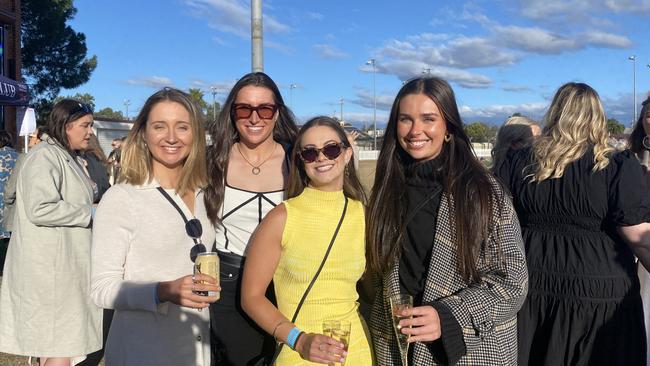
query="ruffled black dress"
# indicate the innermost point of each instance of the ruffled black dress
(583, 305)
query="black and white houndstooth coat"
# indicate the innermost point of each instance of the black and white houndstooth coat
(487, 311)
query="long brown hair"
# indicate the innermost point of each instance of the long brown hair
(298, 178)
(638, 133)
(64, 112)
(224, 135)
(136, 158)
(464, 179)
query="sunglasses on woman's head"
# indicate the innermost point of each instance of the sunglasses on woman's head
(264, 111)
(331, 151)
(82, 107)
(194, 230)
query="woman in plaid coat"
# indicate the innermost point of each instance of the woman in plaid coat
(441, 229)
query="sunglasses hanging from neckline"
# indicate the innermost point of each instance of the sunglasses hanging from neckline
(193, 227)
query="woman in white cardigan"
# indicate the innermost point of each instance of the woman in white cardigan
(45, 306)
(141, 257)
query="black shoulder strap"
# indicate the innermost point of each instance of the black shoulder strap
(171, 200)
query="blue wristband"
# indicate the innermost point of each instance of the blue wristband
(293, 337)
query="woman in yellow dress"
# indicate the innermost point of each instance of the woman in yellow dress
(289, 246)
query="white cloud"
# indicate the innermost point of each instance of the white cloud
(534, 40)
(151, 81)
(315, 16)
(232, 16)
(328, 51)
(405, 69)
(516, 88)
(498, 113)
(365, 99)
(628, 5)
(603, 39)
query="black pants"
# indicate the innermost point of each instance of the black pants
(94, 358)
(236, 339)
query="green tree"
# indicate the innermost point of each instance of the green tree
(53, 54)
(477, 132)
(615, 127)
(109, 113)
(197, 95)
(84, 98)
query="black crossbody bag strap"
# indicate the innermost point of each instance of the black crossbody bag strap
(311, 284)
(171, 200)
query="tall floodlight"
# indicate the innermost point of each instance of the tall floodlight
(633, 59)
(373, 63)
(213, 90)
(291, 87)
(256, 36)
(126, 106)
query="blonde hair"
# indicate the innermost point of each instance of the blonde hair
(136, 157)
(574, 122)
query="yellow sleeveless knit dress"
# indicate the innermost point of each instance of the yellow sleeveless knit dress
(311, 220)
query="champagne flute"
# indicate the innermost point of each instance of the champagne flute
(342, 334)
(399, 303)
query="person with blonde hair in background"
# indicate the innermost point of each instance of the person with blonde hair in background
(584, 212)
(45, 306)
(516, 133)
(147, 232)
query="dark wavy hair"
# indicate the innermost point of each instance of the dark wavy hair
(464, 178)
(64, 112)
(224, 134)
(6, 139)
(638, 132)
(298, 178)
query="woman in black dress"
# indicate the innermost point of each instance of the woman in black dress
(584, 214)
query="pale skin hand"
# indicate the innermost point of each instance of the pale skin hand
(181, 291)
(425, 325)
(320, 348)
(262, 258)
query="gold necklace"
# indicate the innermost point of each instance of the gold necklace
(256, 168)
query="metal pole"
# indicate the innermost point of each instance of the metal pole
(256, 36)
(374, 102)
(126, 104)
(633, 59)
(291, 87)
(213, 89)
(341, 102)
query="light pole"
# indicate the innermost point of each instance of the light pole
(213, 90)
(291, 87)
(341, 102)
(126, 105)
(374, 100)
(633, 59)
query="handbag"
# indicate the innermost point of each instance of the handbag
(278, 347)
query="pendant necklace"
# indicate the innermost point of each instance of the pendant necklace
(256, 168)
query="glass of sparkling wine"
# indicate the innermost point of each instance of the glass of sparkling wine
(328, 327)
(342, 334)
(398, 303)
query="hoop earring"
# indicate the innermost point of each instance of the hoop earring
(447, 137)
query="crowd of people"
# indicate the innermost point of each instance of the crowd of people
(538, 259)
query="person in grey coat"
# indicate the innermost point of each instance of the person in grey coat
(45, 305)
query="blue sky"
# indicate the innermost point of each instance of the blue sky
(500, 56)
